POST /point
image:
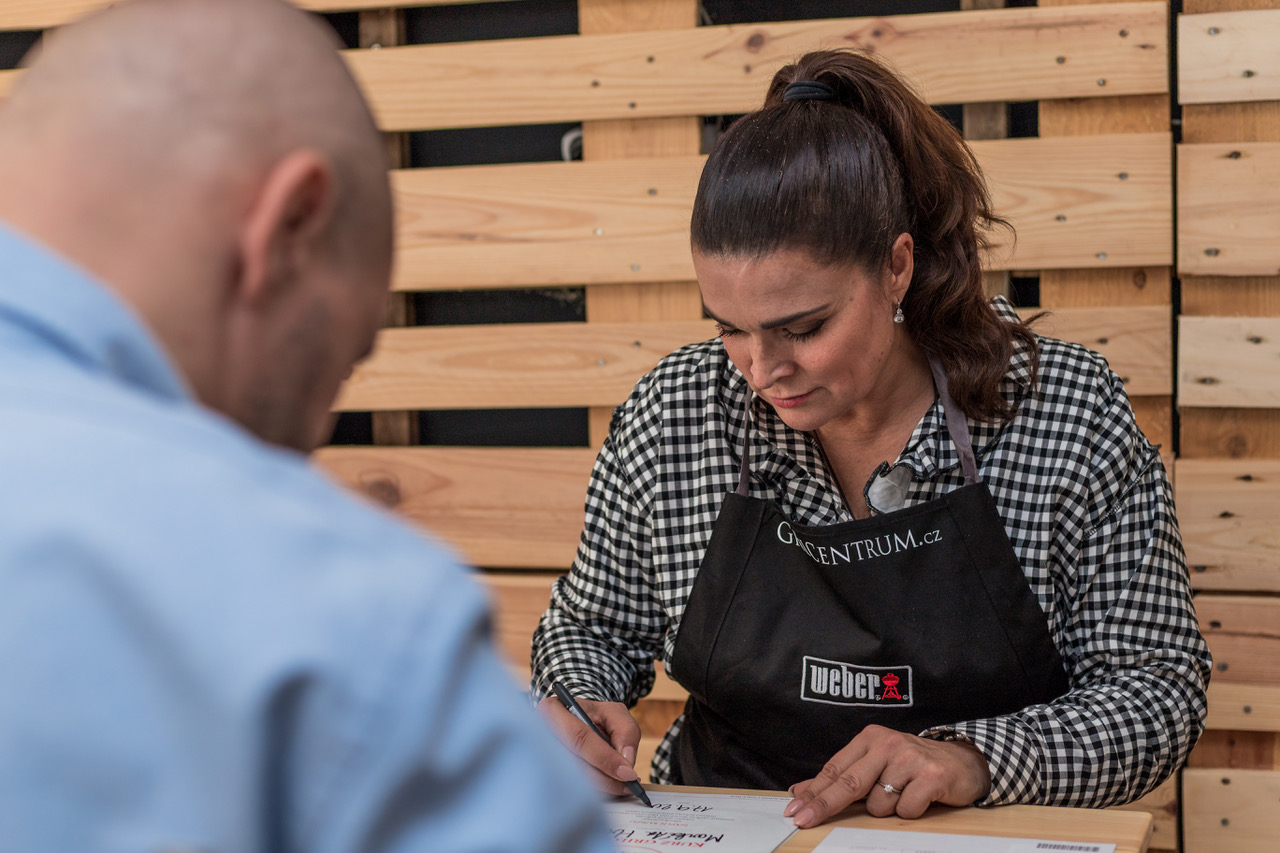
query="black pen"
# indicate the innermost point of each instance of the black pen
(571, 705)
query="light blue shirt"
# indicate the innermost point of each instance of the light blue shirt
(206, 646)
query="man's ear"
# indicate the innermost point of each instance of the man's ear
(286, 224)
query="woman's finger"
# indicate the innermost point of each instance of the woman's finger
(611, 768)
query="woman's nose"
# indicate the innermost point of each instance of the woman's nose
(768, 364)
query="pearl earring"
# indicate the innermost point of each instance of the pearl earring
(898, 316)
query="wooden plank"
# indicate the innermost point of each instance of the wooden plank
(1243, 718)
(1227, 809)
(1225, 225)
(596, 364)
(1155, 418)
(42, 14)
(1136, 341)
(1227, 510)
(1162, 805)
(952, 57)
(1243, 633)
(380, 28)
(1080, 829)
(545, 223)
(519, 600)
(1229, 56)
(988, 120)
(1239, 615)
(645, 299)
(1149, 285)
(1087, 202)
(1101, 201)
(1243, 707)
(499, 507)
(1229, 361)
(1250, 750)
(1230, 433)
(514, 366)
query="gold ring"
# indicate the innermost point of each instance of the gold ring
(889, 789)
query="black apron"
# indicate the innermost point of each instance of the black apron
(794, 638)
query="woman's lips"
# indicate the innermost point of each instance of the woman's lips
(790, 402)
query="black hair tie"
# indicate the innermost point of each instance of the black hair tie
(808, 90)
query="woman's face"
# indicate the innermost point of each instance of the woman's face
(814, 341)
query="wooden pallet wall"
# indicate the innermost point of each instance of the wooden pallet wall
(1091, 199)
(1228, 483)
(617, 222)
(1125, 290)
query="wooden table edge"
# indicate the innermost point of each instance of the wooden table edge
(1130, 831)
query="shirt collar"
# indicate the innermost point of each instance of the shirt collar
(55, 301)
(928, 452)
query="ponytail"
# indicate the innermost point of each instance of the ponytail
(841, 178)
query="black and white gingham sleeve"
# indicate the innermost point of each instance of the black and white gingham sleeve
(1124, 622)
(603, 629)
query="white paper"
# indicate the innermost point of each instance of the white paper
(846, 840)
(727, 823)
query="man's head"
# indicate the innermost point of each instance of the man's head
(213, 162)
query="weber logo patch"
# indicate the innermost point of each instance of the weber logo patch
(834, 682)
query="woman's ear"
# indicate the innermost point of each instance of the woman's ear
(286, 226)
(901, 266)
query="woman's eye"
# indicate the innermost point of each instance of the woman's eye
(805, 335)
(725, 331)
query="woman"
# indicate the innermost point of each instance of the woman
(947, 567)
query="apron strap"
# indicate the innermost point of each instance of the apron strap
(957, 426)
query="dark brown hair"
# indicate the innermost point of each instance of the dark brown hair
(841, 179)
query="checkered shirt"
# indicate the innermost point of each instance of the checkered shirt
(1085, 502)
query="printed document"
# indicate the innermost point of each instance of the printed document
(845, 840)
(727, 823)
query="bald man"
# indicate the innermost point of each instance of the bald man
(205, 646)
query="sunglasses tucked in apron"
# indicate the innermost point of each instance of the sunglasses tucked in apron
(795, 638)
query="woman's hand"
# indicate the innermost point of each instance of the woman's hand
(611, 763)
(919, 771)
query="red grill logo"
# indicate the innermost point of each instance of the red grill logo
(834, 682)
